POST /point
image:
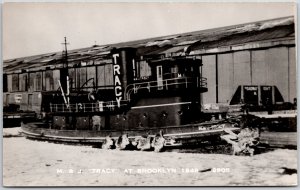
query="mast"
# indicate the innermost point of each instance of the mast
(66, 55)
(66, 66)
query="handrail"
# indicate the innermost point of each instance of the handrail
(86, 82)
(103, 106)
(200, 82)
(88, 107)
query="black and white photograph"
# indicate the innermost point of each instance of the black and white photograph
(156, 94)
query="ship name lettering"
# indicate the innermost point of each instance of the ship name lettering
(117, 81)
(117, 70)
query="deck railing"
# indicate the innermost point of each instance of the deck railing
(167, 84)
(89, 107)
(110, 106)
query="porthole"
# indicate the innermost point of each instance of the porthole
(145, 115)
(180, 112)
(164, 114)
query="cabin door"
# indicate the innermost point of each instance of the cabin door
(159, 77)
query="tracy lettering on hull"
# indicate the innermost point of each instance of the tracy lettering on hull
(117, 81)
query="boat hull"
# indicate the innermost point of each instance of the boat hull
(175, 135)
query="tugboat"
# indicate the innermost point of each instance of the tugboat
(166, 104)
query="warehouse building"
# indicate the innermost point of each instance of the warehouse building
(259, 53)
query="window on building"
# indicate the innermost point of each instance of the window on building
(7, 99)
(91, 74)
(81, 76)
(38, 81)
(72, 77)
(30, 101)
(9, 83)
(100, 75)
(15, 82)
(31, 82)
(49, 83)
(23, 83)
(109, 80)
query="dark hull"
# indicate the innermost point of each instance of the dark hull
(174, 135)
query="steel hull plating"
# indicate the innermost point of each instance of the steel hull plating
(174, 135)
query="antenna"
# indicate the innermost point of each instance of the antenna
(66, 52)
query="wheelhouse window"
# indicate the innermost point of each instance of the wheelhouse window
(144, 70)
(136, 70)
(159, 71)
(174, 71)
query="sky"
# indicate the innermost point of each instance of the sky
(36, 28)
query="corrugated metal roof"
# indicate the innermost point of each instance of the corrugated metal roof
(205, 39)
(186, 42)
(174, 49)
(103, 53)
(159, 43)
(279, 32)
(158, 51)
